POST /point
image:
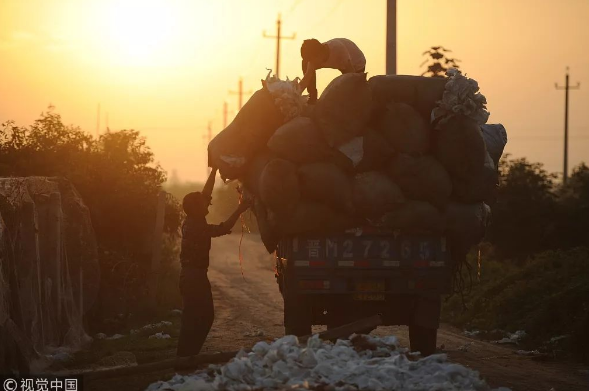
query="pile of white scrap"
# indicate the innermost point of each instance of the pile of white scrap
(285, 364)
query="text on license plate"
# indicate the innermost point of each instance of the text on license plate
(369, 290)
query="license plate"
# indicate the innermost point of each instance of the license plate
(369, 290)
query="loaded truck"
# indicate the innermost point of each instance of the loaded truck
(338, 278)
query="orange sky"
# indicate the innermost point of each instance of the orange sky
(164, 67)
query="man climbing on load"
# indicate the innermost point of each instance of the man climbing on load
(198, 313)
(338, 53)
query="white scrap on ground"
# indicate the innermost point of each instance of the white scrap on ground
(286, 364)
(100, 336)
(116, 336)
(511, 338)
(259, 333)
(152, 327)
(160, 336)
(527, 352)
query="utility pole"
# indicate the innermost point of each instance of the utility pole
(98, 122)
(106, 120)
(566, 89)
(239, 93)
(391, 49)
(278, 37)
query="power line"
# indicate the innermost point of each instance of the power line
(239, 93)
(566, 88)
(278, 37)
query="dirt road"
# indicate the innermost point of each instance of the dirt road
(248, 308)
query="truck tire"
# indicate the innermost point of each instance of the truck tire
(297, 317)
(423, 339)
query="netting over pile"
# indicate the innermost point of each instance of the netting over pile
(49, 273)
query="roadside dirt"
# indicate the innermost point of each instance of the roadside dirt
(248, 308)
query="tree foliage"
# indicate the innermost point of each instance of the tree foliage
(115, 175)
(439, 62)
(535, 213)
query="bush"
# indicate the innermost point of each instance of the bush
(547, 296)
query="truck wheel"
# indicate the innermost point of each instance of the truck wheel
(423, 339)
(297, 319)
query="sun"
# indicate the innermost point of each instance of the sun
(139, 31)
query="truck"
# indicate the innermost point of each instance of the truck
(333, 279)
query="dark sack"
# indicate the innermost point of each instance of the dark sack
(254, 124)
(415, 216)
(252, 178)
(312, 217)
(374, 194)
(279, 187)
(420, 92)
(268, 233)
(328, 184)
(482, 187)
(466, 224)
(405, 130)
(421, 178)
(344, 108)
(299, 141)
(459, 146)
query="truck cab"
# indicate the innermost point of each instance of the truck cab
(334, 279)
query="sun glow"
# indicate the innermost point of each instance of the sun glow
(138, 30)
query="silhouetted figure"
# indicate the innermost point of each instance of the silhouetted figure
(338, 53)
(198, 313)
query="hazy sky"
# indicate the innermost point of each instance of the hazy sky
(165, 67)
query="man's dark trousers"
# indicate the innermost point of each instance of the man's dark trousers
(198, 313)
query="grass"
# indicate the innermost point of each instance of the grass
(548, 296)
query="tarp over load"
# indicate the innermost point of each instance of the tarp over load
(400, 152)
(49, 274)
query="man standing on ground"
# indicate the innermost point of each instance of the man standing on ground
(198, 313)
(338, 53)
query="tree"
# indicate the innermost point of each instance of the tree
(524, 215)
(573, 208)
(440, 63)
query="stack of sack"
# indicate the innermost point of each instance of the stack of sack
(407, 153)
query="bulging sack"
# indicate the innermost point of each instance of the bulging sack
(374, 194)
(404, 128)
(248, 133)
(466, 224)
(299, 141)
(252, 178)
(312, 217)
(421, 178)
(459, 146)
(420, 92)
(368, 152)
(279, 187)
(268, 233)
(415, 216)
(481, 187)
(495, 137)
(344, 108)
(328, 184)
